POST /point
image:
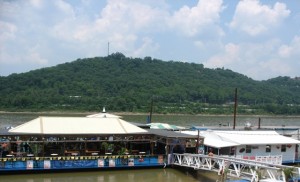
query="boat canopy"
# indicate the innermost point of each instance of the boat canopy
(220, 139)
(103, 114)
(77, 125)
(165, 126)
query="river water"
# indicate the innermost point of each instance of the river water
(145, 175)
(14, 119)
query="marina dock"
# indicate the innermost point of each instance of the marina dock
(238, 168)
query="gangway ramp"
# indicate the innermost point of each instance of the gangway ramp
(235, 167)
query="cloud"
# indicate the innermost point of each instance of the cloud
(128, 25)
(194, 20)
(122, 17)
(7, 31)
(229, 56)
(148, 46)
(65, 8)
(34, 56)
(254, 18)
(37, 3)
(29, 55)
(275, 67)
(261, 60)
(292, 50)
(38, 33)
(131, 15)
(122, 23)
(8, 10)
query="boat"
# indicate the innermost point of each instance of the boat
(259, 145)
(85, 143)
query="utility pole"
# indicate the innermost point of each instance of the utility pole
(151, 110)
(197, 144)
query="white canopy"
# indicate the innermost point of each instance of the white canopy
(213, 140)
(293, 133)
(165, 126)
(220, 139)
(103, 114)
(257, 137)
(77, 125)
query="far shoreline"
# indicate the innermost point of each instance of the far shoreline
(68, 113)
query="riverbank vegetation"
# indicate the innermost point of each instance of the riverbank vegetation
(124, 84)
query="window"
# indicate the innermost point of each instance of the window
(248, 148)
(283, 148)
(268, 148)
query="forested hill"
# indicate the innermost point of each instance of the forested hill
(130, 84)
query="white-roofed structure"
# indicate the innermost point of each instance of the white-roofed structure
(290, 132)
(212, 139)
(103, 114)
(256, 137)
(65, 136)
(250, 143)
(87, 142)
(220, 139)
(77, 125)
(217, 141)
(165, 126)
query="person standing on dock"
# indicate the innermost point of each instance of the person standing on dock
(210, 154)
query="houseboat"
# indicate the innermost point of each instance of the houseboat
(259, 145)
(77, 143)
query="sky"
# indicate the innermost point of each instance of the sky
(257, 38)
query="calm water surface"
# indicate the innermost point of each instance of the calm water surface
(14, 119)
(145, 175)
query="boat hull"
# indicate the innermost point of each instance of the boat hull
(79, 163)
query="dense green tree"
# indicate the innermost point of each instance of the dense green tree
(128, 84)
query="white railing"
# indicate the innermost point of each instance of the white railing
(236, 167)
(270, 159)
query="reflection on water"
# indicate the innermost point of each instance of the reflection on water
(145, 175)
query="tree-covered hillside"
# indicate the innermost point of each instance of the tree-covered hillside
(130, 84)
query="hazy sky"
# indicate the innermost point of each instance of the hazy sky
(258, 38)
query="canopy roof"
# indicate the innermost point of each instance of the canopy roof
(257, 137)
(103, 114)
(170, 134)
(219, 139)
(213, 140)
(165, 126)
(77, 125)
(292, 132)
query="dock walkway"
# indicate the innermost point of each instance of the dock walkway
(229, 166)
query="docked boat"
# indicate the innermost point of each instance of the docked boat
(68, 143)
(259, 145)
